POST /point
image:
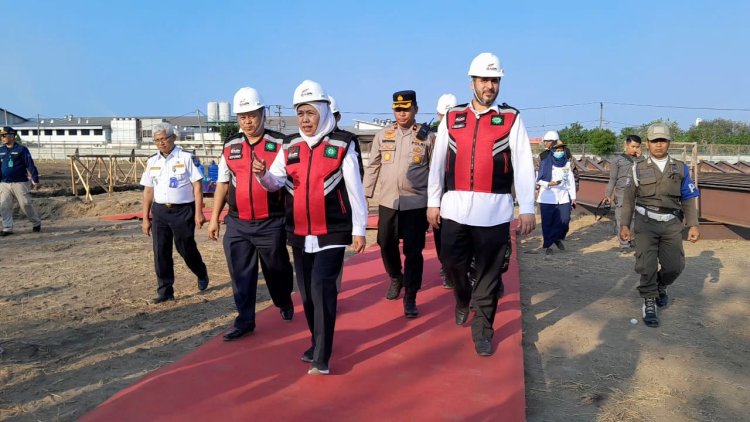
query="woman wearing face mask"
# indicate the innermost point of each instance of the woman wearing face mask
(325, 211)
(557, 196)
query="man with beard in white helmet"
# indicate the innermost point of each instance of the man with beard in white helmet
(481, 152)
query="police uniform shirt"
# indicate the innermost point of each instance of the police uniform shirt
(620, 175)
(481, 208)
(399, 164)
(172, 177)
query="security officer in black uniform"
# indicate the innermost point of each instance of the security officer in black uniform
(173, 195)
(662, 195)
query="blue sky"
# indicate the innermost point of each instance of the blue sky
(137, 58)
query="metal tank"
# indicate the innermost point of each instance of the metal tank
(224, 111)
(212, 111)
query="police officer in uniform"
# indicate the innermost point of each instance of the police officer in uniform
(400, 164)
(173, 194)
(662, 195)
(620, 176)
(15, 166)
(481, 153)
(255, 222)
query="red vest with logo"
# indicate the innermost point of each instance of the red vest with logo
(317, 200)
(479, 157)
(246, 197)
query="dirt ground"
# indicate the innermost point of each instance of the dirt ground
(76, 325)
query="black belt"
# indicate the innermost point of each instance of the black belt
(185, 204)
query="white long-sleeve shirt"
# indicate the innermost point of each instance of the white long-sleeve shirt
(560, 194)
(481, 208)
(275, 179)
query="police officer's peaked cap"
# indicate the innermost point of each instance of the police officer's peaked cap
(404, 99)
(7, 130)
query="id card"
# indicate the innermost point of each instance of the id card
(172, 182)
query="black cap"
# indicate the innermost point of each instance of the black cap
(7, 130)
(404, 99)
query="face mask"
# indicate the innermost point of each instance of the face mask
(559, 154)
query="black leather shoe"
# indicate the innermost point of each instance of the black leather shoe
(287, 313)
(483, 347)
(36, 229)
(308, 355)
(236, 333)
(4, 233)
(461, 316)
(160, 299)
(202, 283)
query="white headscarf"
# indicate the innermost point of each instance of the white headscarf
(325, 125)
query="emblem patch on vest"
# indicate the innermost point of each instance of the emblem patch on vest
(497, 120)
(270, 146)
(460, 121)
(293, 156)
(331, 152)
(235, 153)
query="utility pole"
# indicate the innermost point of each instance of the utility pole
(601, 115)
(278, 114)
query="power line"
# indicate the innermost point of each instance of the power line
(679, 107)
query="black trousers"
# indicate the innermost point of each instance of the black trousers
(175, 224)
(316, 278)
(659, 256)
(487, 245)
(410, 225)
(247, 243)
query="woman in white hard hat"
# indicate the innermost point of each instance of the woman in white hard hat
(557, 196)
(325, 211)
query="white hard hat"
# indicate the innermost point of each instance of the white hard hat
(445, 102)
(247, 99)
(551, 135)
(309, 91)
(486, 65)
(334, 106)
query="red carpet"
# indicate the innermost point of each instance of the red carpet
(383, 368)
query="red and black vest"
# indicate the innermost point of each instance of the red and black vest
(479, 150)
(247, 199)
(317, 201)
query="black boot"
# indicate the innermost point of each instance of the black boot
(394, 291)
(410, 304)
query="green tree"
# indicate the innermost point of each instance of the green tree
(720, 131)
(603, 141)
(574, 134)
(227, 130)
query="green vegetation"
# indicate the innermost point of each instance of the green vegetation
(227, 130)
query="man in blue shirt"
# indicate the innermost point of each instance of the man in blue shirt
(16, 165)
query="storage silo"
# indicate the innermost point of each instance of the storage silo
(212, 111)
(224, 111)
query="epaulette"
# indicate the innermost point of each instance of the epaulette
(233, 137)
(505, 105)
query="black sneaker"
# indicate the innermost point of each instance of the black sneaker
(308, 355)
(319, 369)
(447, 284)
(5, 233)
(650, 315)
(202, 283)
(483, 347)
(410, 306)
(559, 245)
(548, 252)
(663, 300)
(394, 290)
